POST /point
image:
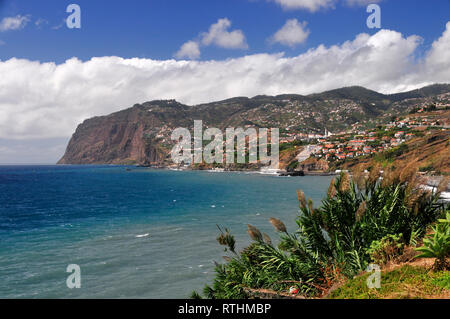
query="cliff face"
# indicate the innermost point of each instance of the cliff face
(127, 137)
(141, 134)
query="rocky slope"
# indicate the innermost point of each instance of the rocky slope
(141, 134)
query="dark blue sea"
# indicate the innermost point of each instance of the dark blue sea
(134, 232)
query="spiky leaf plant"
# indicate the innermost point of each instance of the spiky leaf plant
(437, 245)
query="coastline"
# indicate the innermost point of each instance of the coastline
(430, 183)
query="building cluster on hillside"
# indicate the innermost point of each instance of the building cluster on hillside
(356, 143)
(359, 140)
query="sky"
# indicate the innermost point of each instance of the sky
(53, 77)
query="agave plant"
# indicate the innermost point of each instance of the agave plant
(437, 245)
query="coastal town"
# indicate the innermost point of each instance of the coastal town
(323, 153)
(356, 143)
(319, 144)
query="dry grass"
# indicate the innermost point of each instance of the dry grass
(431, 151)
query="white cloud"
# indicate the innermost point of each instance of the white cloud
(438, 58)
(311, 5)
(291, 34)
(13, 23)
(48, 100)
(219, 35)
(190, 50)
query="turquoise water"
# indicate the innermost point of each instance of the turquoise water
(135, 234)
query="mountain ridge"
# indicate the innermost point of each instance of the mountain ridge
(141, 134)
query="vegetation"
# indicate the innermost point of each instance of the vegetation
(359, 221)
(392, 154)
(291, 145)
(403, 282)
(437, 245)
(385, 250)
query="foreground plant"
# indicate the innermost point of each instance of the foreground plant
(387, 249)
(437, 245)
(333, 241)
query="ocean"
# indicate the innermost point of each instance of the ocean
(134, 232)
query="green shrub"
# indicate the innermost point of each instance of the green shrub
(358, 221)
(386, 249)
(437, 245)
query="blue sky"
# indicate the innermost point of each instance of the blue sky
(157, 28)
(52, 78)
